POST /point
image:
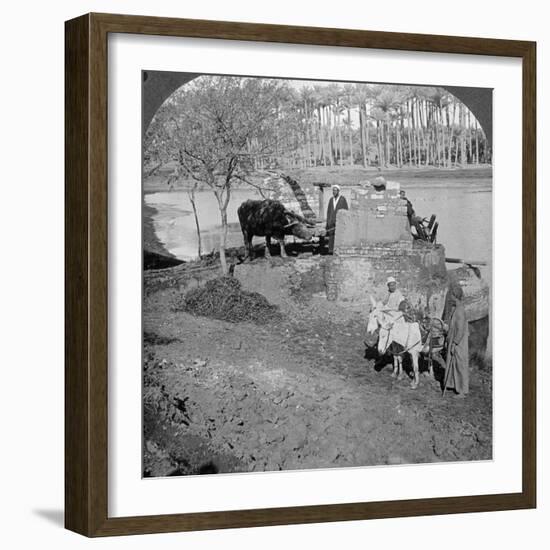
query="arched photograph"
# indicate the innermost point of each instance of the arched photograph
(317, 274)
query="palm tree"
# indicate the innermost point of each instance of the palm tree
(386, 104)
(307, 97)
(349, 104)
(360, 97)
(322, 103)
(440, 99)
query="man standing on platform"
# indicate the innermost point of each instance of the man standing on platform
(336, 202)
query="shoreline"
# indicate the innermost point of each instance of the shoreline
(436, 179)
(150, 241)
(155, 255)
(347, 175)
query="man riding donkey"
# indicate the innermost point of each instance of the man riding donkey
(393, 328)
(389, 325)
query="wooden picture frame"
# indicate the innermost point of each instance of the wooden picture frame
(86, 283)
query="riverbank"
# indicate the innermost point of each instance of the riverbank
(347, 175)
(352, 175)
(296, 392)
(155, 255)
(433, 191)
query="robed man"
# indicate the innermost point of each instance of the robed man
(336, 202)
(457, 375)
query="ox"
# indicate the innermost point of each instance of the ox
(269, 218)
(392, 328)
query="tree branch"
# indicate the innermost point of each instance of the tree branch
(151, 171)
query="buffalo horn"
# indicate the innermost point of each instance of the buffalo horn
(295, 216)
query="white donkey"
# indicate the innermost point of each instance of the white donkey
(392, 327)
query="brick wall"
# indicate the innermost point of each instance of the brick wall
(351, 280)
(359, 274)
(374, 217)
(373, 241)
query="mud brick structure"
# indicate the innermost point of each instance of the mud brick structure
(372, 242)
(350, 281)
(374, 217)
(420, 272)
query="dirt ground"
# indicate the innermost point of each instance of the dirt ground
(292, 394)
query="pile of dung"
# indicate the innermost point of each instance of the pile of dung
(224, 299)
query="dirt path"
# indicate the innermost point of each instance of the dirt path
(299, 393)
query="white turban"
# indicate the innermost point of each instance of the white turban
(390, 280)
(336, 187)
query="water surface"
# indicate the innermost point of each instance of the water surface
(463, 209)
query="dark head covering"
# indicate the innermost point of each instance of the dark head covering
(456, 291)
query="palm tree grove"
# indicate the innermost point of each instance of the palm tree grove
(300, 124)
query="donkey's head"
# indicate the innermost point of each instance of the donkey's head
(373, 324)
(374, 316)
(378, 327)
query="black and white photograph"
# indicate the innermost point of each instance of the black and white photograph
(317, 274)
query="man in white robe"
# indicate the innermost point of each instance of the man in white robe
(394, 297)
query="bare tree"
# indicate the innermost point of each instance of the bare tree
(214, 127)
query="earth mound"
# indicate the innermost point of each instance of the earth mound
(223, 298)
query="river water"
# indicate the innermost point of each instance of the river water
(175, 227)
(463, 209)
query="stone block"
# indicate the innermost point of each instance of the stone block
(361, 227)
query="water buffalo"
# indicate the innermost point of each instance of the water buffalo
(269, 218)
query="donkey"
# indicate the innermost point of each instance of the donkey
(392, 328)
